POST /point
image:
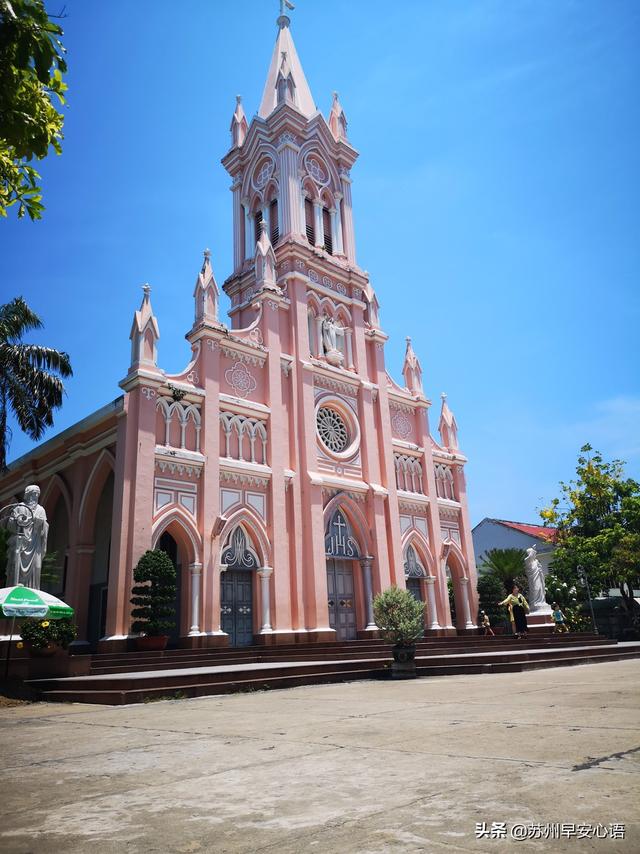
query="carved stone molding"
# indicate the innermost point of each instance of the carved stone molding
(335, 385)
(243, 479)
(178, 468)
(240, 356)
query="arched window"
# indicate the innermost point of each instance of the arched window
(326, 224)
(309, 221)
(238, 554)
(274, 230)
(257, 219)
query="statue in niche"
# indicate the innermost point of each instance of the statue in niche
(330, 332)
(27, 545)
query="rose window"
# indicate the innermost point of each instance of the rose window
(332, 430)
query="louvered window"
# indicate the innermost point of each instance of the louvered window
(309, 223)
(326, 224)
(258, 222)
(273, 218)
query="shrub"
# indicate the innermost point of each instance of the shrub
(490, 592)
(41, 633)
(570, 601)
(154, 594)
(399, 616)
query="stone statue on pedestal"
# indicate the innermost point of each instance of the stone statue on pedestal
(535, 577)
(27, 545)
(330, 330)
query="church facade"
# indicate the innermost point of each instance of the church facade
(287, 475)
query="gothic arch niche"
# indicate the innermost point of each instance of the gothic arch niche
(54, 565)
(173, 536)
(458, 586)
(414, 573)
(99, 581)
(345, 560)
(56, 500)
(241, 566)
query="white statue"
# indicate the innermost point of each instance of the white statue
(535, 577)
(330, 331)
(27, 543)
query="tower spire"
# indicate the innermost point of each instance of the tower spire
(412, 371)
(299, 94)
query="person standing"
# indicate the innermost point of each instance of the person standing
(518, 609)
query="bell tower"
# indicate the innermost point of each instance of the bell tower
(290, 170)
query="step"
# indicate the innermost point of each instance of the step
(198, 681)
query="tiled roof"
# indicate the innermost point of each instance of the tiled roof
(537, 531)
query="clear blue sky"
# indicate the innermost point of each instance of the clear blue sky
(496, 204)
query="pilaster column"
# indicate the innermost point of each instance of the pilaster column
(366, 563)
(347, 218)
(248, 229)
(319, 346)
(338, 244)
(265, 574)
(196, 573)
(464, 589)
(348, 338)
(431, 601)
(290, 207)
(238, 214)
(318, 224)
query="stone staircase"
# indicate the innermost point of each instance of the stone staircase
(135, 677)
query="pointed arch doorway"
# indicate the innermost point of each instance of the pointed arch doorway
(236, 589)
(341, 551)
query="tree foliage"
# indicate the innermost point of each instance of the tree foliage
(399, 616)
(30, 376)
(31, 67)
(570, 599)
(154, 594)
(598, 527)
(507, 565)
(491, 591)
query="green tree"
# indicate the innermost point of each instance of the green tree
(30, 376)
(31, 67)
(598, 527)
(507, 565)
(491, 590)
(154, 594)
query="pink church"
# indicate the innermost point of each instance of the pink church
(283, 470)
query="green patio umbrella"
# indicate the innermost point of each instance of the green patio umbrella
(25, 602)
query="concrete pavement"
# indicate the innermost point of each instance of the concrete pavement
(368, 767)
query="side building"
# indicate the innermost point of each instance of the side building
(287, 475)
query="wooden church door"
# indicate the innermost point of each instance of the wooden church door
(236, 590)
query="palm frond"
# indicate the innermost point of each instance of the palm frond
(25, 357)
(16, 318)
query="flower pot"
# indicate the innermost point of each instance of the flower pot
(151, 643)
(404, 662)
(42, 651)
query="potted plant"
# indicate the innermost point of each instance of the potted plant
(45, 637)
(153, 599)
(400, 618)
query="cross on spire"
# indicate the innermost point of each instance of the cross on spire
(283, 18)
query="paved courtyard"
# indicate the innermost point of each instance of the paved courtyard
(367, 767)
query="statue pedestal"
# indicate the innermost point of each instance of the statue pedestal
(335, 358)
(540, 619)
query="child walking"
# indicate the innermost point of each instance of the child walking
(485, 625)
(558, 619)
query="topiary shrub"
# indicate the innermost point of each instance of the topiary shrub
(399, 616)
(154, 594)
